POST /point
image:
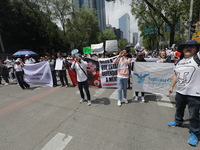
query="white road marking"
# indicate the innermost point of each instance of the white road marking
(99, 92)
(114, 95)
(165, 101)
(58, 142)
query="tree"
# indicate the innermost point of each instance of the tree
(82, 28)
(108, 34)
(170, 14)
(122, 43)
(59, 11)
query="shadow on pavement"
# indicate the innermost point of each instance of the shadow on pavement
(103, 100)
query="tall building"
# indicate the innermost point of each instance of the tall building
(135, 38)
(124, 25)
(98, 5)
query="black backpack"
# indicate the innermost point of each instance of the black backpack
(195, 57)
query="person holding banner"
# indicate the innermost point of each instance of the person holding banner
(122, 75)
(186, 76)
(18, 67)
(140, 58)
(80, 67)
(61, 65)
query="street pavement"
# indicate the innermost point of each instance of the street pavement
(46, 118)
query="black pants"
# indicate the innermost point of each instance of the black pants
(63, 76)
(193, 103)
(20, 79)
(136, 93)
(84, 85)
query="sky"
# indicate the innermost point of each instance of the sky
(115, 10)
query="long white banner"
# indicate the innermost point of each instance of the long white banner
(38, 73)
(152, 77)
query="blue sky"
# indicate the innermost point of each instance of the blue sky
(115, 10)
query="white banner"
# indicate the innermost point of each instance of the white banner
(152, 77)
(111, 46)
(108, 72)
(38, 73)
(97, 48)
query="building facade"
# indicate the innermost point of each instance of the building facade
(135, 38)
(124, 25)
(98, 5)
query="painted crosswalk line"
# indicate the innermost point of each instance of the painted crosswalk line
(58, 142)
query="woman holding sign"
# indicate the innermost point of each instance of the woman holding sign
(122, 76)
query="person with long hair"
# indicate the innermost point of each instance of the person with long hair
(122, 76)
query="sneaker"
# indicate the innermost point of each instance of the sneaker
(82, 100)
(89, 103)
(174, 124)
(119, 103)
(136, 98)
(193, 139)
(143, 100)
(6, 84)
(125, 101)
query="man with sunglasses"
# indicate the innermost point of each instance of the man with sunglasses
(186, 76)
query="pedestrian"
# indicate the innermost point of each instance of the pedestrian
(61, 66)
(18, 67)
(140, 58)
(80, 67)
(4, 73)
(186, 77)
(52, 63)
(122, 76)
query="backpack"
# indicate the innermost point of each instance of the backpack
(195, 57)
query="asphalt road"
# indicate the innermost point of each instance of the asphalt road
(45, 118)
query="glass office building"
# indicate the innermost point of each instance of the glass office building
(98, 5)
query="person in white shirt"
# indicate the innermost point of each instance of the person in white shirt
(81, 72)
(61, 66)
(18, 67)
(29, 60)
(186, 76)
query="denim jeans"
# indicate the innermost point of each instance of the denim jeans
(84, 85)
(194, 111)
(122, 85)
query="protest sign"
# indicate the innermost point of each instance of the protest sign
(97, 48)
(38, 73)
(108, 72)
(111, 46)
(152, 77)
(87, 50)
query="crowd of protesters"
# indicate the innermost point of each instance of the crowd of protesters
(186, 56)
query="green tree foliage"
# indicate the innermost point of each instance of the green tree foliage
(58, 10)
(108, 34)
(152, 12)
(122, 43)
(82, 29)
(24, 26)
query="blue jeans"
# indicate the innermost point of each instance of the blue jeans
(122, 85)
(194, 111)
